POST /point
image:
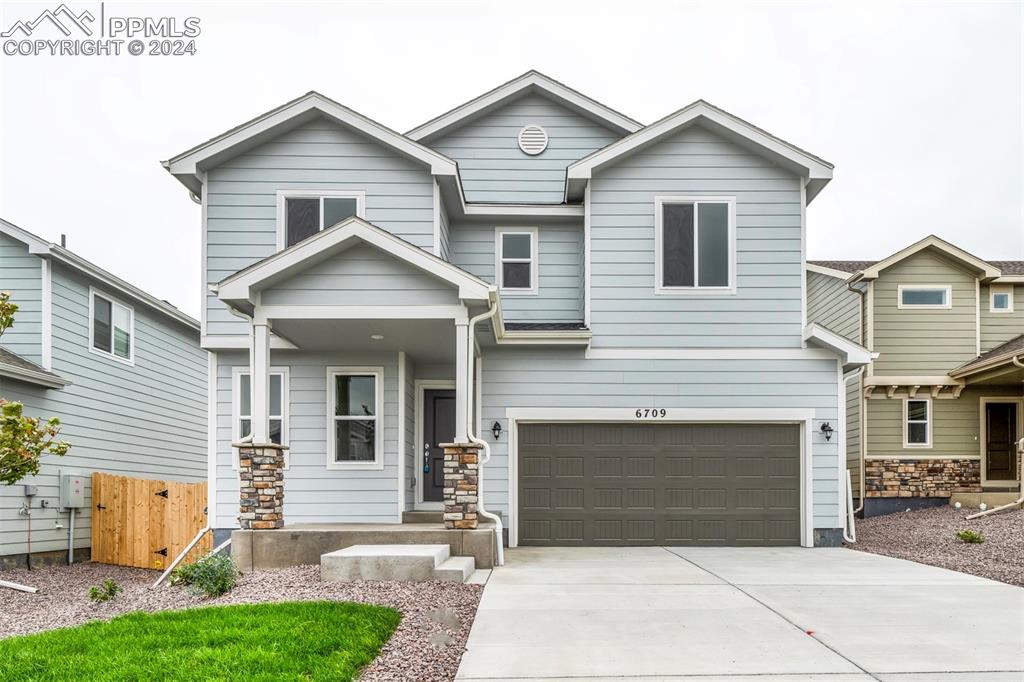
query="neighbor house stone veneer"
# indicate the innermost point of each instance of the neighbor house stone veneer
(460, 485)
(261, 486)
(921, 477)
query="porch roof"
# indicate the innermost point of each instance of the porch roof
(13, 366)
(999, 357)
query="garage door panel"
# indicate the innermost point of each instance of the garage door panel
(684, 484)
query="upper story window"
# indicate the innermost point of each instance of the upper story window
(355, 403)
(516, 251)
(111, 327)
(1000, 298)
(303, 213)
(694, 245)
(925, 296)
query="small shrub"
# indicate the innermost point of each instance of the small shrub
(970, 536)
(105, 591)
(211, 576)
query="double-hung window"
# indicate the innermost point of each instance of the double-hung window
(917, 427)
(111, 327)
(355, 405)
(516, 250)
(695, 245)
(301, 213)
(924, 296)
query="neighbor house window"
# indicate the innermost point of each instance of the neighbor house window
(355, 402)
(694, 242)
(516, 250)
(1001, 299)
(301, 214)
(918, 428)
(111, 329)
(925, 296)
(278, 405)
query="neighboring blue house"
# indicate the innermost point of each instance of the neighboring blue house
(121, 369)
(618, 309)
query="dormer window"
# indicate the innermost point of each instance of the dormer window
(303, 213)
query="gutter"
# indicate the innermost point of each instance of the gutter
(40, 378)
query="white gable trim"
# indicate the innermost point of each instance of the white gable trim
(531, 80)
(185, 166)
(831, 272)
(852, 355)
(816, 170)
(242, 286)
(35, 244)
(987, 270)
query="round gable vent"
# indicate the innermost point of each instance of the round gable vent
(533, 140)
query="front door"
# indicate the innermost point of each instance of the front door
(1000, 434)
(438, 427)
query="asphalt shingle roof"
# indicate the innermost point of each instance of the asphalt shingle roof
(1011, 348)
(1008, 267)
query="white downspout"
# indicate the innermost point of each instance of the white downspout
(471, 434)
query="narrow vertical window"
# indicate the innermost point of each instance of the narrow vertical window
(111, 327)
(694, 244)
(918, 423)
(517, 260)
(278, 402)
(354, 437)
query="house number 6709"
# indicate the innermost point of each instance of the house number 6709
(650, 413)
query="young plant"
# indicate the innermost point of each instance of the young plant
(211, 576)
(105, 591)
(970, 536)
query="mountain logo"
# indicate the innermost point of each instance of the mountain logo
(62, 18)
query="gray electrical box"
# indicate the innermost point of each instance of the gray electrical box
(72, 491)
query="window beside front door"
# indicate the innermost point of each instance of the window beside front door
(354, 439)
(917, 427)
(694, 245)
(111, 327)
(302, 214)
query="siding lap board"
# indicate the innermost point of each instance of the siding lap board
(21, 275)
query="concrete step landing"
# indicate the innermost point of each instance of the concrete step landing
(411, 563)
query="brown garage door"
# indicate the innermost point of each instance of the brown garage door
(659, 484)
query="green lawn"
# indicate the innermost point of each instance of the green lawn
(287, 641)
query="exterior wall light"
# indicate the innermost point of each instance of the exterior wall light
(826, 430)
(496, 430)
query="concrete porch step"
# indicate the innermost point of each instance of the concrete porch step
(422, 517)
(991, 499)
(411, 563)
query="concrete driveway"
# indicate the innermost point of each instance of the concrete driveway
(723, 614)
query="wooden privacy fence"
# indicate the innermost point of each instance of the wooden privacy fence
(143, 523)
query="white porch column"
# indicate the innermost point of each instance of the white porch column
(259, 375)
(461, 379)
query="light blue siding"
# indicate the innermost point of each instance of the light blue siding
(559, 295)
(146, 420)
(21, 275)
(765, 311)
(444, 249)
(832, 305)
(242, 198)
(361, 275)
(492, 166)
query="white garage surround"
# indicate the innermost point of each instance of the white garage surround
(803, 417)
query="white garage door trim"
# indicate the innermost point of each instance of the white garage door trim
(532, 415)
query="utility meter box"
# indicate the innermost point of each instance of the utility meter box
(72, 491)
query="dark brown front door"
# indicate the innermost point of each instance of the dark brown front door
(438, 427)
(1000, 434)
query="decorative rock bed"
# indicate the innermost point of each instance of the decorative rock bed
(428, 644)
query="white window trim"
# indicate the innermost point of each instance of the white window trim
(236, 407)
(662, 290)
(284, 194)
(378, 463)
(1000, 289)
(534, 260)
(948, 289)
(906, 415)
(130, 360)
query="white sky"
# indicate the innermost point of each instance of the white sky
(918, 105)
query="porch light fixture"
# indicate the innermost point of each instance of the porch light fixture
(496, 430)
(377, 337)
(826, 430)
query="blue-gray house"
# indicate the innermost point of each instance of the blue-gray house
(616, 310)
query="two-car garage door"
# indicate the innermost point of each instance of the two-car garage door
(659, 484)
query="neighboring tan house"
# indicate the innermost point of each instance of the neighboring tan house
(647, 377)
(122, 370)
(941, 408)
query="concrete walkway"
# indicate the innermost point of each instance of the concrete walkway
(751, 615)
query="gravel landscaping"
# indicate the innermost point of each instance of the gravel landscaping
(427, 645)
(929, 537)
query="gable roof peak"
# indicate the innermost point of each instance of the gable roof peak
(985, 269)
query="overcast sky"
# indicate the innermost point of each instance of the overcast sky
(919, 106)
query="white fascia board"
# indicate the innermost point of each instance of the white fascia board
(831, 272)
(39, 378)
(36, 245)
(816, 170)
(1009, 279)
(987, 270)
(911, 380)
(545, 338)
(184, 166)
(524, 210)
(242, 286)
(514, 88)
(242, 342)
(852, 355)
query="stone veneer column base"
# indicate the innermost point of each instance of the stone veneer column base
(261, 486)
(460, 485)
(903, 478)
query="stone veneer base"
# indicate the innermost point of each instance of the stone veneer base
(460, 485)
(261, 486)
(920, 478)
